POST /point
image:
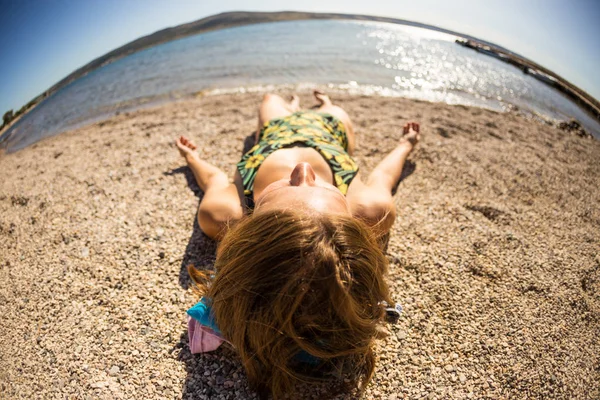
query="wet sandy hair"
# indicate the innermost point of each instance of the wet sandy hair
(289, 282)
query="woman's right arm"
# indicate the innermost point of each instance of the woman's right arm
(221, 204)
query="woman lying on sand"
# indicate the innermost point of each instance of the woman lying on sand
(299, 287)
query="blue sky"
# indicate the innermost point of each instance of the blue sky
(42, 41)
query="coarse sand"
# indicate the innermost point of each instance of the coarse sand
(494, 255)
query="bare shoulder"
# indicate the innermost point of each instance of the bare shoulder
(371, 204)
(220, 208)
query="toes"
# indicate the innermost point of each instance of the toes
(295, 102)
(321, 97)
(319, 94)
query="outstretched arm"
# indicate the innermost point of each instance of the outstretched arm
(207, 175)
(372, 201)
(387, 173)
(221, 203)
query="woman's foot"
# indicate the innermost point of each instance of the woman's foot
(411, 133)
(322, 98)
(295, 103)
(186, 147)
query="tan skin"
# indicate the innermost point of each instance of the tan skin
(299, 177)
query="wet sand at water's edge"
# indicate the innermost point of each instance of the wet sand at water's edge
(494, 255)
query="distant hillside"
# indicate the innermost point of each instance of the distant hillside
(232, 19)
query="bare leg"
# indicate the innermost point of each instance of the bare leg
(273, 106)
(327, 106)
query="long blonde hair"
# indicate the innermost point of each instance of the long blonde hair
(290, 283)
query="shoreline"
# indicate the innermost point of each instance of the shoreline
(237, 18)
(571, 125)
(581, 98)
(16, 119)
(493, 255)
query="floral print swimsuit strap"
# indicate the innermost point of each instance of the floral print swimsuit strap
(323, 132)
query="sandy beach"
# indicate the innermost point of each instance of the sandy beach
(494, 255)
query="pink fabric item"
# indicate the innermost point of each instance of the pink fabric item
(202, 338)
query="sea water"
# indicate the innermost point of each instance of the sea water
(361, 57)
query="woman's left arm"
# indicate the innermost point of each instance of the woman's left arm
(373, 201)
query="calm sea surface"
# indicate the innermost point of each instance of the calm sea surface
(363, 57)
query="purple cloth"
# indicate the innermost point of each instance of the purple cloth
(202, 338)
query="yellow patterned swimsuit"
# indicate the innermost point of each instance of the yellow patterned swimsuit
(323, 132)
